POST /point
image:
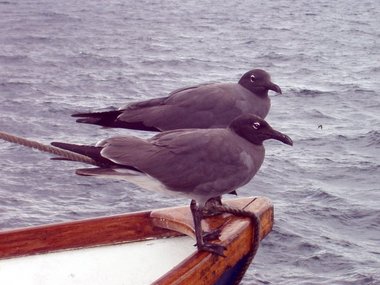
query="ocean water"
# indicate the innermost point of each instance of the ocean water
(60, 57)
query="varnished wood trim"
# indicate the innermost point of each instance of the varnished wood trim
(78, 234)
(206, 268)
(199, 268)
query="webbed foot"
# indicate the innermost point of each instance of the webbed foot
(212, 235)
(213, 248)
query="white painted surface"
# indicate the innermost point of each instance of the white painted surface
(131, 263)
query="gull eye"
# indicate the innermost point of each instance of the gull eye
(253, 78)
(256, 125)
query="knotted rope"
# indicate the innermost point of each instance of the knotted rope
(256, 231)
(85, 159)
(47, 148)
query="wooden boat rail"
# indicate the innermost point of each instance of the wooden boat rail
(205, 267)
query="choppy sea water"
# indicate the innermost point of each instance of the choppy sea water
(59, 57)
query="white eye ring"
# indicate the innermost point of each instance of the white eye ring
(253, 78)
(256, 125)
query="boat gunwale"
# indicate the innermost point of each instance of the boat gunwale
(80, 234)
(200, 267)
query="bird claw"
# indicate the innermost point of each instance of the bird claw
(209, 210)
(213, 248)
(212, 235)
(207, 213)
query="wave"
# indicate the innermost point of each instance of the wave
(15, 59)
(14, 87)
(58, 17)
(86, 60)
(373, 138)
(368, 139)
(305, 92)
(320, 195)
(273, 56)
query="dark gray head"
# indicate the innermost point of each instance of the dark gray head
(259, 82)
(257, 130)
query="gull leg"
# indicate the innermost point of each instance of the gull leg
(201, 244)
(197, 223)
(212, 235)
(209, 209)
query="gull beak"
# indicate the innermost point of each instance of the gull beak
(282, 137)
(274, 87)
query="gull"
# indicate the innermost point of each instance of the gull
(203, 106)
(199, 164)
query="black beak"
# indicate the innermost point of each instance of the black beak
(282, 137)
(274, 87)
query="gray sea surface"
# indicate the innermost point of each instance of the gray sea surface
(61, 57)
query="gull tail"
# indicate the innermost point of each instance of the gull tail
(110, 119)
(92, 152)
(89, 151)
(105, 119)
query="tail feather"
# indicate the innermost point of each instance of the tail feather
(96, 113)
(110, 119)
(110, 172)
(94, 171)
(106, 119)
(94, 153)
(90, 151)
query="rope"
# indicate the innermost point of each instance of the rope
(85, 159)
(256, 232)
(47, 148)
